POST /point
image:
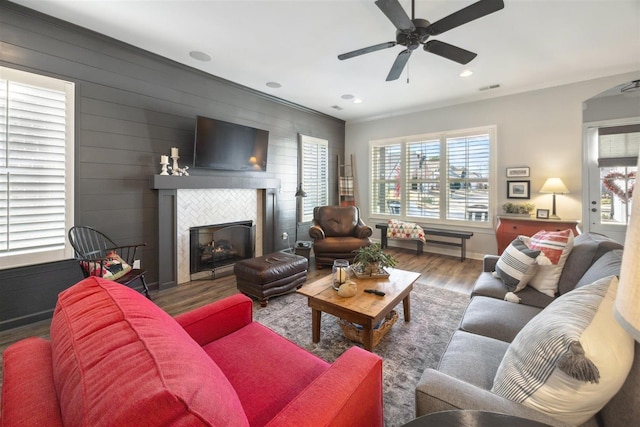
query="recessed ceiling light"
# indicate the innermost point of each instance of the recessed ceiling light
(357, 101)
(347, 96)
(199, 56)
(466, 73)
(274, 85)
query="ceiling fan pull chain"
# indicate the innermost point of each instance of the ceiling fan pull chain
(408, 67)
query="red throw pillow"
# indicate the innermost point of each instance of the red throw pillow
(556, 245)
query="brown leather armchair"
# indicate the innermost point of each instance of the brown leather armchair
(337, 231)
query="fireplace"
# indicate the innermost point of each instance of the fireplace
(217, 198)
(219, 245)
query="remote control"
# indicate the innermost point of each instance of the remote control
(375, 291)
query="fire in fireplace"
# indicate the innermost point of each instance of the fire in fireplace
(218, 245)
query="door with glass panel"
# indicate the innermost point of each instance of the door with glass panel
(613, 149)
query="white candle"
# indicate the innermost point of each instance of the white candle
(164, 159)
(174, 151)
(341, 275)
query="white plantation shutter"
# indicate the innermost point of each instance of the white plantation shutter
(423, 178)
(36, 167)
(468, 175)
(315, 174)
(386, 165)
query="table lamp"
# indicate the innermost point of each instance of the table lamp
(554, 186)
(627, 308)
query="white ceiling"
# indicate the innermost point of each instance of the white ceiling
(530, 44)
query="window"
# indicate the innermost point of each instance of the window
(36, 168)
(314, 170)
(444, 178)
(618, 148)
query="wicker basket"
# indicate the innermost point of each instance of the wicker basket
(354, 332)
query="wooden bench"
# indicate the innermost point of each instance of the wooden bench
(462, 235)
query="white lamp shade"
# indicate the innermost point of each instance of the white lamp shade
(627, 308)
(555, 186)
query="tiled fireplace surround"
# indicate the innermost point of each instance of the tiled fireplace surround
(185, 202)
(198, 207)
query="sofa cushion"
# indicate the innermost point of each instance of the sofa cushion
(118, 359)
(570, 359)
(496, 318)
(478, 370)
(337, 221)
(262, 393)
(556, 245)
(587, 249)
(489, 286)
(517, 265)
(608, 264)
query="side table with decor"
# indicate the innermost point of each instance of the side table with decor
(510, 227)
(303, 248)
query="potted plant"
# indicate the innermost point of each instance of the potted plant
(371, 261)
(518, 209)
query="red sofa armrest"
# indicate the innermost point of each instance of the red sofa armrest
(349, 394)
(28, 393)
(213, 321)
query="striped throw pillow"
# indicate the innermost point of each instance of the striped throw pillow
(517, 265)
(570, 359)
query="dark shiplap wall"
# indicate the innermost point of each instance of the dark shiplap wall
(132, 106)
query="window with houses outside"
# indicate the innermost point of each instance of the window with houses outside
(439, 178)
(618, 149)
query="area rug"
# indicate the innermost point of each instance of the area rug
(407, 350)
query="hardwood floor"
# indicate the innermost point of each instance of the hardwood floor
(436, 270)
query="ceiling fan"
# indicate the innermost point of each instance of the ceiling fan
(412, 33)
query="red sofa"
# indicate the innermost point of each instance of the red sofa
(115, 358)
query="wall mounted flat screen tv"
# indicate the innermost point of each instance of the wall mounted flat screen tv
(229, 146)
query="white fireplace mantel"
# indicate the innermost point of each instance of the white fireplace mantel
(222, 180)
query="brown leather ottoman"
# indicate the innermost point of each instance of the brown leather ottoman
(270, 275)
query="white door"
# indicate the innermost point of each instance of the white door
(611, 168)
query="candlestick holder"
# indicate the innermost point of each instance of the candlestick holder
(164, 167)
(174, 168)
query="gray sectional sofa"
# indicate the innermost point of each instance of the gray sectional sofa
(466, 372)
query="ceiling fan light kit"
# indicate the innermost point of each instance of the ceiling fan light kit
(412, 33)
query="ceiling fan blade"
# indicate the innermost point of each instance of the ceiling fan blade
(366, 50)
(449, 51)
(396, 14)
(398, 65)
(468, 14)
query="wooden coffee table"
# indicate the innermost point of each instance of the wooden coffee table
(363, 309)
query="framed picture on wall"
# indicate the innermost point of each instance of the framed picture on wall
(522, 172)
(518, 189)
